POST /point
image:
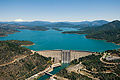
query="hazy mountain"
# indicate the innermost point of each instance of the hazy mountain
(92, 23)
(61, 24)
(109, 32)
(33, 23)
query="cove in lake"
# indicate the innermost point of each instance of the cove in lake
(51, 40)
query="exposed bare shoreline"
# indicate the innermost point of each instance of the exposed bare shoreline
(93, 38)
(5, 35)
(28, 44)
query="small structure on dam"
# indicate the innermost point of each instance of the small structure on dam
(63, 56)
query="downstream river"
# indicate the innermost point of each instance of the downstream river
(57, 69)
(51, 40)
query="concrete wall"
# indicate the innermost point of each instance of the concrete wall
(56, 54)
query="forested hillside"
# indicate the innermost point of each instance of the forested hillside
(109, 32)
(19, 63)
(6, 29)
(9, 50)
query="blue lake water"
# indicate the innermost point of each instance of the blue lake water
(51, 39)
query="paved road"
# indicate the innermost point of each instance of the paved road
(101, 59)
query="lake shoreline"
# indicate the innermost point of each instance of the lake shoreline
(104, 40)
(5, 35)
(51, 40)
(92, 38)
(28, 44)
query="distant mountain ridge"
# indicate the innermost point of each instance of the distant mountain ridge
(66, 24)
(91, 23)
(11, 27)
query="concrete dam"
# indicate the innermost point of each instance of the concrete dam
(64, 56)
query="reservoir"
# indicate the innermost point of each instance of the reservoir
(51, 40)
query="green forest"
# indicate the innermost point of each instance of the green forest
(109, 32)
(26, 64)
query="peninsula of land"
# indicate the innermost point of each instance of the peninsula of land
(109, 32)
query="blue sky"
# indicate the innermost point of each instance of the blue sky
(59, 10)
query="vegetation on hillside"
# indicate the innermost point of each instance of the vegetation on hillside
(95, 67)
(35, 28)
(12, 28)
(9, 50)
(25, 64)
(24, 68)
(99, 69)
(20, 42)
(109, 32)
(5, 31)
(72, 76)
(38, 28)
(114, 52)
(57, 29)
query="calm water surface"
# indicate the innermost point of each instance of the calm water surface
(51, 39)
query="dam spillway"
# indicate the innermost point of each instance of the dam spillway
(64, 56)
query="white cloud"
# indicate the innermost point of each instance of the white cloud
(19, 20)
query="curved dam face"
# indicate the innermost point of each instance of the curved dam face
(64, 56)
